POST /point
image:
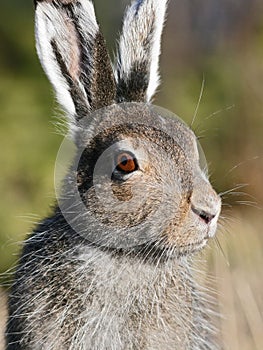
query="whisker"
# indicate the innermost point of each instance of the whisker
(240, 164)
(198, 103)
(249, 204)
(219, 111)
(221, 194)
(222, 251)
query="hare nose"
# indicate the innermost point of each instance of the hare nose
(204, 215)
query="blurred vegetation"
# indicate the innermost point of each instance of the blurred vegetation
(218, 41)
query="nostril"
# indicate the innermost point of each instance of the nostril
(207, 217)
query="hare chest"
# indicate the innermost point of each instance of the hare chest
(94, 300)
(127, 305)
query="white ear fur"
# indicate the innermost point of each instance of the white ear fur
(54, 25)
(140, 40)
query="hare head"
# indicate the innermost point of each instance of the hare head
(136, 182)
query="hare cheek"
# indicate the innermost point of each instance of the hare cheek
(123, 194)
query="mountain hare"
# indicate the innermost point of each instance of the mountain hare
(111, 268)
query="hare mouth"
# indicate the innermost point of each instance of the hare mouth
(164, 251)
(190, 248)
(199, 245)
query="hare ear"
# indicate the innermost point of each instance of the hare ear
(73, 54)
(139, 50)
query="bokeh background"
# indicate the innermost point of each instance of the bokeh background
(217, 43)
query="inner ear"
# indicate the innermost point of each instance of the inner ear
(74, 51)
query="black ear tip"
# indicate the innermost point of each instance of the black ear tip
(62, 2)
(37, 1)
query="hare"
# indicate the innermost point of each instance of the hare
(111, 267)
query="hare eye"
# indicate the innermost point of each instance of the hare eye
(126, 163)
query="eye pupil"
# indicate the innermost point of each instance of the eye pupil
(124, 160)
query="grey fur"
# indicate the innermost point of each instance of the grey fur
(104, 276)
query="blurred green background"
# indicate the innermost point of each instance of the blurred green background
(218, 41)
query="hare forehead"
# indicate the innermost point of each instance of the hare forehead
(143, 129)
(174, 140)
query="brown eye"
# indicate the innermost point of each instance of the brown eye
(126, 163)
